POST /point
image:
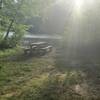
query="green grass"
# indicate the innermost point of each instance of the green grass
(10, 52)
(40, 79)
(31, 80)
(16, 77)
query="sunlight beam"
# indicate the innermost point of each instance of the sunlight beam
(78, 4)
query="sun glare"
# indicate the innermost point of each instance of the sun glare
(78, 4)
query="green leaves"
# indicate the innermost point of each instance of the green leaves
(20, 12)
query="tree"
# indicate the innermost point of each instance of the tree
(14, 15)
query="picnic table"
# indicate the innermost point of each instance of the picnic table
(38, 48)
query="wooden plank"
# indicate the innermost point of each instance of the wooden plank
(47, 49)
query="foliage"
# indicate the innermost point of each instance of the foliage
(9, 52)
(10, 12)
(19, 11)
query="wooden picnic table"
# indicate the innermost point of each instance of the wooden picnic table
(38, 48)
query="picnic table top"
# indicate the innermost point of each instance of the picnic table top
(38, 43)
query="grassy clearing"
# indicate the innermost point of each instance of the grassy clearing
(16, 77)
(40, 79)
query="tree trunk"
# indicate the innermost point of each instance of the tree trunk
(1, 4)
(7, 34)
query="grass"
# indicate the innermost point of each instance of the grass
(10, 52)
(38, 78)
(17, 77)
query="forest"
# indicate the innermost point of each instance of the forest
(49, 50)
